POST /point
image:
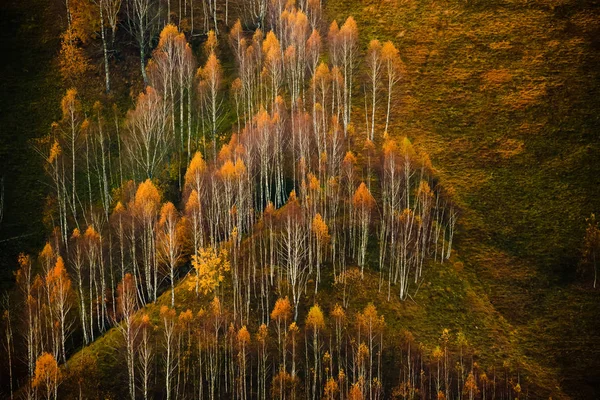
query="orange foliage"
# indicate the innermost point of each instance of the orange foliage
(167, 212)
(147, 198)
(47, 373)
(282, 310)
(195, 170)
(55, 151)
(338, 313)
(320, 229)
(73, 61)
(355, 393)
(315, 319)
(210, 45)
(362, 197)
(243, 336)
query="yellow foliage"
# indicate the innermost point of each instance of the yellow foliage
(210, 267)
(271, 45)
(185, 318)
(331, 388)
(47, 252)
(243, 336)
(73, 61)
(210, 45)
(212, 70)
(349, 31)
(315, 318)
(262, 334)
(437, 353)
(195, 170)
(167, 36)
(313, 183)
(46, 372)
(227, 170)
(282, 309)
(193, 203)
(355, 393)
(349, 159)
(167, 212)
(338, 313)
(320, 229)
(321, 73)
(54, 152)
(91, 235)
(370, 319)
(147, 198)
(167, 313)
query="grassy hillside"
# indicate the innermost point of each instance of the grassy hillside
(504, 96)
(446, 300)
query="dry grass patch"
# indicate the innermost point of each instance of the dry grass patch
(495, 78)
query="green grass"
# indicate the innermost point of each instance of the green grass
(504, 97)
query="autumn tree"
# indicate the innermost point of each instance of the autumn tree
(372, 324)
(167, 316)
(61, 301)
(169, 242)
(146, 205)
(243, 340)
(273, 64)
(8, 342)
(211, 79)
(363, 203)
(374, 64)
(321, 232)
(171, 72)
(339, 316)
(73, 62)
(210, 267)
(293, 250)
(313, 50)
(71, 131)
(282, 313)
(47, 375)
(348, 42)
(145, 354)
(392, 66)
(261, 337)
(315, 322)
(24, 280)
(127, 305)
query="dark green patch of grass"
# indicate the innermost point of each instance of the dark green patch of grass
(28, 104)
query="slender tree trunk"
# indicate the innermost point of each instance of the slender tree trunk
(105, 51)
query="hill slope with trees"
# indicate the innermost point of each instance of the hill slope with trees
(353, 200)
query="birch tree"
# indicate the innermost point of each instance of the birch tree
(127, 306)
(169, 242)
(374, 65)
(147, 139)
(61, 300)
(392, 65)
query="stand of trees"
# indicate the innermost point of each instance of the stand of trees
(294, 196)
